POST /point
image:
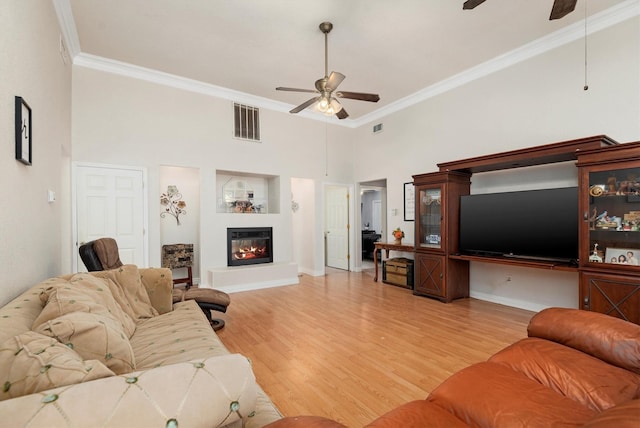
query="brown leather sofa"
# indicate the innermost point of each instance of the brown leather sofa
(575, 368)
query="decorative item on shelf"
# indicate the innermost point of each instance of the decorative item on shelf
(631, 221)
(173, 203)
(622, 256)
(596, 190)
(595, 257)
(606, 222)
(245, 207)
(398, 235)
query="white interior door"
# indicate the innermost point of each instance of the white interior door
(376, 216)
(337, 226)
(110, 202)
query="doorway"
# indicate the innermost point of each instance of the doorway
(110, 201)
(336, 233)
(373, 219)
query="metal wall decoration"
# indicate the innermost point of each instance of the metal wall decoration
(173, 203)
(23, 131)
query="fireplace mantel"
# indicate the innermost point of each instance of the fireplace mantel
(253, 277)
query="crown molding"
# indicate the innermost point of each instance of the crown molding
(67, 26)
(607, 18)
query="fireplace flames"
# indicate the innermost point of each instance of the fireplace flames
(250, 252)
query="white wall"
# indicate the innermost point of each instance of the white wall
(302, 222)
(34, 234)
(536, 102)
(126, 121)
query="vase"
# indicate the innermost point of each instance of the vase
(398, 241)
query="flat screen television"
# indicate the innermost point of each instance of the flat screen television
(532, 224)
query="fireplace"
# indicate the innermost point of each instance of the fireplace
(249, 245)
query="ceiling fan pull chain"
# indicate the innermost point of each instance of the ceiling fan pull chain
(586, 85)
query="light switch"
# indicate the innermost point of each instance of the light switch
(51, 196)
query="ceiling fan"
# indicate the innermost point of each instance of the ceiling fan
(326, 101)
(560, 7)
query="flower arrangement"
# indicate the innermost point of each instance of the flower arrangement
(398, 233)
(173, 203)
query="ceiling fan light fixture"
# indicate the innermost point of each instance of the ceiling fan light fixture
(334, 107)
(323, 104)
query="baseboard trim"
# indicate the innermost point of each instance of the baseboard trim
(516, 303)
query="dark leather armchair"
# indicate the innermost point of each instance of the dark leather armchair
(101, 254)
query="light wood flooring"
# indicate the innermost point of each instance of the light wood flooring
(350, 349)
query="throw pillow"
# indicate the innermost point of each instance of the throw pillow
(126, 284)
(82, 293)
(93, 336)
(31, 362)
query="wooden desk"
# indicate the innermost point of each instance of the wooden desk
(387, 247)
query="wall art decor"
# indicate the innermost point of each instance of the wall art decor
(23, 131)
(409, 202)
(173, 203)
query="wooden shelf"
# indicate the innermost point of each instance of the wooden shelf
(531, 156)
(536, 264)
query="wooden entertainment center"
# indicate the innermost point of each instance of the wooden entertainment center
(609, 188)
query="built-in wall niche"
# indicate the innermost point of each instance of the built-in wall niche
(247, 193)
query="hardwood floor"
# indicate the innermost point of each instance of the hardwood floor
(350, 349)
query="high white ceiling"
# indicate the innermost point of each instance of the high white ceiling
(395, 49)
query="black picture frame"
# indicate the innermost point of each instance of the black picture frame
(24, 138)
(409, 202)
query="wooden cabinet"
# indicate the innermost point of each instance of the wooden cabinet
(436, 235)
(615, 295)
(609, 186)
(609, 210)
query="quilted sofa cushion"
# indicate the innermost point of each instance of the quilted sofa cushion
(180, 335)
(93, 336)
(31, 362)
(574, 374)
(159, 285)
(204, 393)
(128, 290)
(82, 293)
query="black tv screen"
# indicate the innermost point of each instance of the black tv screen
(536, 224)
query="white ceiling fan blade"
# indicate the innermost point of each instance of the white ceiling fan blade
(334, 80)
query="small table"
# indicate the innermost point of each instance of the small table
(387, 247)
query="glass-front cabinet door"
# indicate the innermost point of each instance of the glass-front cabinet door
(430, 219)
(614, 217)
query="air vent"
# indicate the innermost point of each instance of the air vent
(377, 128)
(246, 121)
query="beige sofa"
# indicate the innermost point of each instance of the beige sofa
(110, 349)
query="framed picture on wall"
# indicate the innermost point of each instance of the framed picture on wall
(409, 202)
(23, 131)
